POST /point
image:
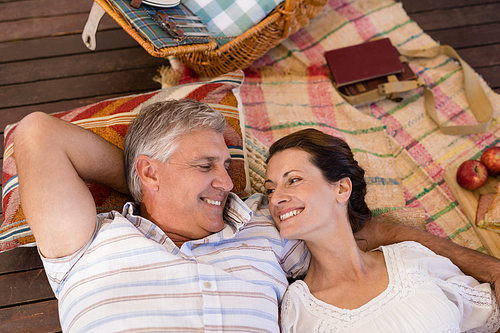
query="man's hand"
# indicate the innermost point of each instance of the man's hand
(375, 233)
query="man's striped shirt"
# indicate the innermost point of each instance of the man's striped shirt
(131, 277)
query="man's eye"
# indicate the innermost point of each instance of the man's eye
(269, 192)
(205, 167)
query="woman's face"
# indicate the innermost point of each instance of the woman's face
(301, 201)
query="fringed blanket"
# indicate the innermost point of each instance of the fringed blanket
(401, 148)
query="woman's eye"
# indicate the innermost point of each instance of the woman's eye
(269, 192)
(293, 180)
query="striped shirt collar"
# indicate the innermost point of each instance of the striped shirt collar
(236, 215)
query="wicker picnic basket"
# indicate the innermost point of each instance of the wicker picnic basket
(238, 53)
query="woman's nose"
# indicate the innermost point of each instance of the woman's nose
(279, 197)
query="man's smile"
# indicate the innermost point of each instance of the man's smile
(212, 202)
(290, 214)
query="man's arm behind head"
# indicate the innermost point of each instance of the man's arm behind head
(53, 158)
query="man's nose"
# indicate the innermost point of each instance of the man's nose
(222, 180)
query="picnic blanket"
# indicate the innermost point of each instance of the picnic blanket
(401, 148)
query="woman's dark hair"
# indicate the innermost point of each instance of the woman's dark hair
(334, 158)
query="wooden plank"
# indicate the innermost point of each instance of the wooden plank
(469, 36)
(130, 81)
(412, 6)
(76, 65)
(30, 318)
(37, 8)
(458, 17)
(49, 26)
(10, 116)
(63, 45)
(19, 259)
(491, 75)
(468, 202)
(24, 287)
(482, 56)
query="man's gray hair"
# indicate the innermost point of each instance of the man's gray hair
(157, 129)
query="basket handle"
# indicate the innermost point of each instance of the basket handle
(288, 11)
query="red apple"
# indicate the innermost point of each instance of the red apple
(472, 174)
(491, 159)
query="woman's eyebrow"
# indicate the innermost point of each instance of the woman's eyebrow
(268, 181)
(284, 176)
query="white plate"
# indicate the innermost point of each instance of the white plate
(162, 3)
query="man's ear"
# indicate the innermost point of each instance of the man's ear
(147, 169)
(344, 189)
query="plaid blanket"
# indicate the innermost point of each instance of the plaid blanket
(402, 148)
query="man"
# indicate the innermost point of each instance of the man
(188, 256)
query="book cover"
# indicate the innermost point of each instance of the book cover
(362, 62)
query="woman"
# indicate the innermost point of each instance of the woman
(316, 193)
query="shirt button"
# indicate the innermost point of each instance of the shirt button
(207, 285)
(152, 233)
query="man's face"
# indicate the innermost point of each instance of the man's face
(193, 187)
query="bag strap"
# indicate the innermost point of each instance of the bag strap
(478, 101)
(390, 90)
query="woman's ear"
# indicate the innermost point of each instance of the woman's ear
(344, 189)
(147, 170)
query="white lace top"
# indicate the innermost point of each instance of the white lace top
(426, 293)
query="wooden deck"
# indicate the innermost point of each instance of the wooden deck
(45, 66)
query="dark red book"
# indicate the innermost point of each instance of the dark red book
(363, 62)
